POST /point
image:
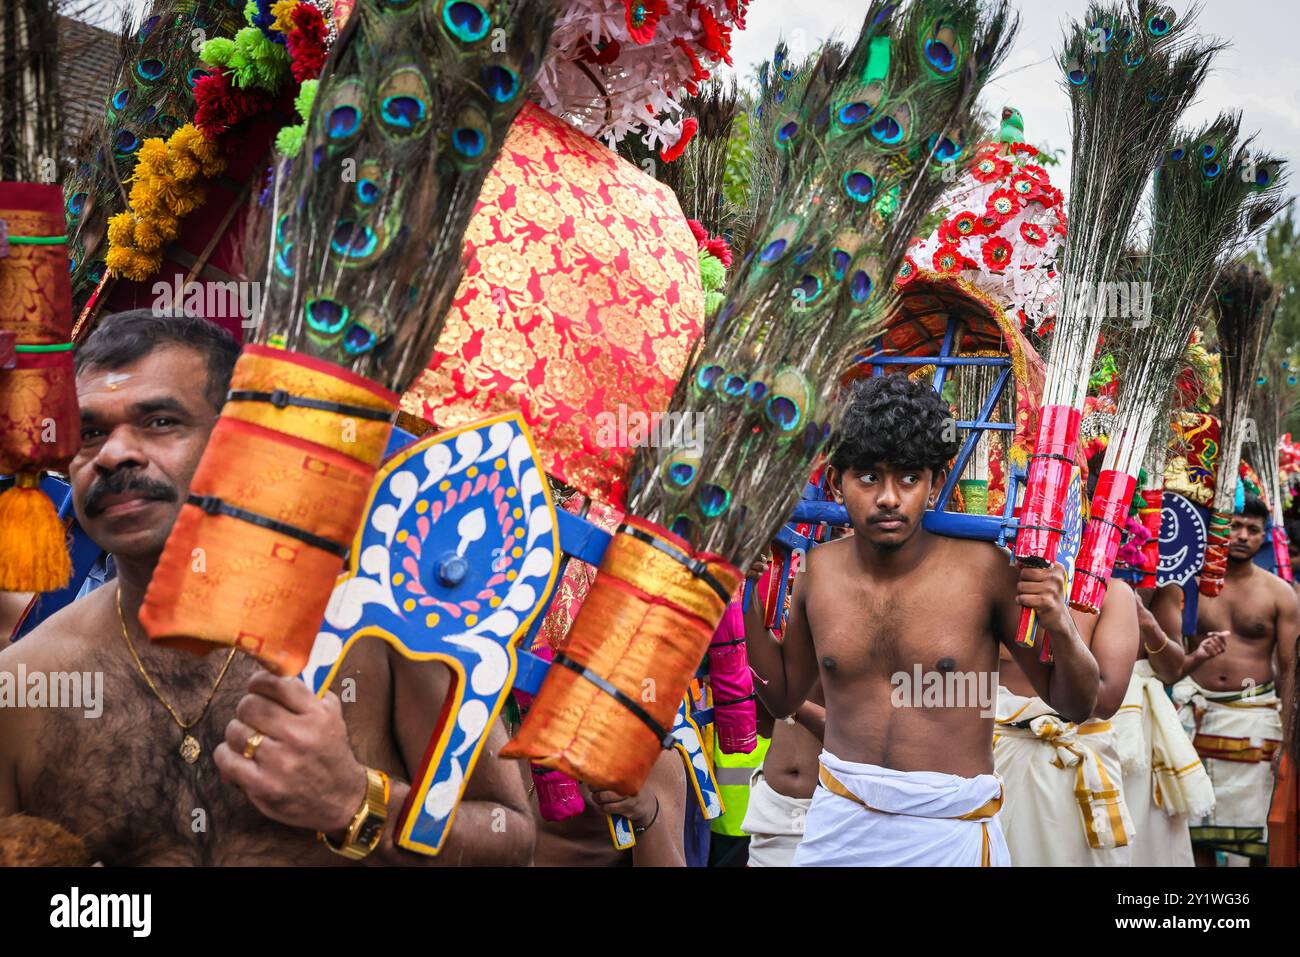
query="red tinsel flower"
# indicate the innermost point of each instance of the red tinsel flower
(948, 260)
(989, 225)
(698, 72)
(906, 272)
(1024, 186)
(718, 248)
(698, 231)
(689, 126)
(219, 106)
(964, 224)
(714, 37)
(997, 253)
(306, 42)
(989, 168)
(603, 53)
(1037, 172)
(643, 19)
(1033, 234)
(946, 234)
(1023, 149)
(1003, 204)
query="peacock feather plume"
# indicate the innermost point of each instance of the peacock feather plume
(152, 95)
(862, 152)
(1245, 303)
(1210, 198)
(1130, 70)
(367, 223)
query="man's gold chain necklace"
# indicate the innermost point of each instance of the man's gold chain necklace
(190, 748)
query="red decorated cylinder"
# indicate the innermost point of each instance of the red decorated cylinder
(1096, 559)
(1281, 556)
(1042, 517)
(1152, 503)
(735, 715)
(1216, 555)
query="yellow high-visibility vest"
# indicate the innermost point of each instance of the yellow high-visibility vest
(733, 772)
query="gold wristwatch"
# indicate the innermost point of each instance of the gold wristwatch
(367, 826)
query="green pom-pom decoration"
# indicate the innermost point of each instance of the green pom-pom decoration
(712, 273)
(305, 98)
(288, 142)
(712, 302)
(258, 61)
(217, 51)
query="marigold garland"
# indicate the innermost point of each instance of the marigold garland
(167, 184)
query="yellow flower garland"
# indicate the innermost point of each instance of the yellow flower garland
(167, 185)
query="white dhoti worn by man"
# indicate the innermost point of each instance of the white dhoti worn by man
(774, 823)
(1165, 784)
(1064, 799)
(1236, 734)
(863, 815)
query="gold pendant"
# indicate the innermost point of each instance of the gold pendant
(190, 749)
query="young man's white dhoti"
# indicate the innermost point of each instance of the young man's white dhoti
(863, 815)
(774, 823)
(1236, 734)
(1164, 781)
(1064, 800)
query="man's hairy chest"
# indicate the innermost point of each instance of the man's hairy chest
(119, 781)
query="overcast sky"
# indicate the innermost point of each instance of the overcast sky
(1258, 74)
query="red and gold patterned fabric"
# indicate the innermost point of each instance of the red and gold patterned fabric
(1194, 457)
(581, 294)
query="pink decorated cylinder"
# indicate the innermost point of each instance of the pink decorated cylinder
(1092, 568)
(1282, 557)
(1047, 487)
(735, 715)
(558, 795)
(1042, 518)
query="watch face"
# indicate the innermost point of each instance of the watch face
(370, 831)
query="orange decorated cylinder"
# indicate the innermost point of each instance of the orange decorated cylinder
(1096, 559)
(1216, 555)
(39, 421)
(272, 510)
(608, 702)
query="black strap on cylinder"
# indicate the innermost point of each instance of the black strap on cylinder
(664, 738)
(280, 399)
(749, 697)
(215, 506)
(1106, 521)
(696, 567)
(1051, 455)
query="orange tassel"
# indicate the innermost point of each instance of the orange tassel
(33, 542)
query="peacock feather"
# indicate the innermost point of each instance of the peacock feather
(1211, 197)
(1130, 70)
(1245, 304)
(367, 222)
(862, 151)
(151, 96)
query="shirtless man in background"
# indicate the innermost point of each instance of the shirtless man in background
(782, 789)
(913, 784)
(150, 390)
(1231, 701)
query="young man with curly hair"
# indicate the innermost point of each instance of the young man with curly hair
(906, 775)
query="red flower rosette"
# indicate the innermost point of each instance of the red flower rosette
(1033, 234)
(1037, 172)
(989, 168)
(1101, 539)
(948, 259)
(689, 126)
(1002, 205)
(643, 19)
(1025, 186)
(965, 224)
(1023, 149)
(996, 252)
(906, 272)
